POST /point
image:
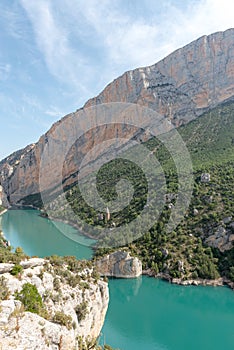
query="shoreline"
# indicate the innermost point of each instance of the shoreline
(67, 222)
(219, 282)
(3, 212)
(222, 281)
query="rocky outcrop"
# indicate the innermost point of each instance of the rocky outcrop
(33, 262)
(180, 87)
(72, 294)
(31, 331)
(198, 282)
(119, 264)
(221, 237)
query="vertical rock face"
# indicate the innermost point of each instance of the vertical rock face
(119, 264)
(180, 87)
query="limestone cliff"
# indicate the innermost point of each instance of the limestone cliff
(180, 87)
(184, 84)
(80, 296)
(119, 264)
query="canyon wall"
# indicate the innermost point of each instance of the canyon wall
(180, 87)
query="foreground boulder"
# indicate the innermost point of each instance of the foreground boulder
(119, 264)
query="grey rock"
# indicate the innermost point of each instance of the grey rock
(165, 252)
(6, 267)
(227, 220)
(33, 262)
(119, 264)
(205, 177)
(37, 333)
(220, 237)
(180, 88)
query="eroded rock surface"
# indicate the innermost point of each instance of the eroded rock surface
(119, 264)
(180, 87)
(26, 330)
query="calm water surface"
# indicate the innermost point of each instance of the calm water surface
(149, 314)
(144, 313)
(40, 236)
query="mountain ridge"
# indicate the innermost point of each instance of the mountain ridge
(183, 85)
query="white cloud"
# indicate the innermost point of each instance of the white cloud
(87, 43)
(52, 40)
(55, 112)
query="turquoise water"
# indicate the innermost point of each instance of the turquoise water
(144, 313)
(149, 314)
(40, 236)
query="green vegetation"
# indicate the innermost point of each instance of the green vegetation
(81, 311)
(4, 291)
(63, 319)
(64, 269)
(17, 269)
(31, 299)
(89, 344)
(182, 252)
(7, 256)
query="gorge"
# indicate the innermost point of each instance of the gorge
(190, 81)
(193, 90)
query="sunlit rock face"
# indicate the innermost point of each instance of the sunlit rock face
(20, 329)
(180, 87)
(120, 265)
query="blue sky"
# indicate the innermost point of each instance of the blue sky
(56, 54)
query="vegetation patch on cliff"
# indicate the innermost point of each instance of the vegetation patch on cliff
(202, 244)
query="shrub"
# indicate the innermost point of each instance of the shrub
(63, 319)
(17, 269)
(81, 310)
(31, 299)
(19, 252)
(56, 283)
(73, 280)
(56, 260)
(231, 273)
(4, 291)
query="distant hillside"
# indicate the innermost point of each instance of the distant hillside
(210, 138)
(202, 245)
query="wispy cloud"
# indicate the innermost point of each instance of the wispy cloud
(57, 54)
(5, 70)
(55, 112)
(53, 41)
(86, 43)
(12, 19)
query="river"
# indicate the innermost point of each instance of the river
(42, 237)
(144, 313)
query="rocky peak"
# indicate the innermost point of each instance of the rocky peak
(180, 87)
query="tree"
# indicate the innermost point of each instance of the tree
(30, 298)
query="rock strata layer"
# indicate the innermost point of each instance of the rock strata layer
(120, 265)
(180, 87)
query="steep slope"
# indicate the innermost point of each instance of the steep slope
(49, 304)
(202, 244)
(181, 87)
(184, 84)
